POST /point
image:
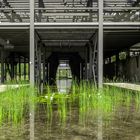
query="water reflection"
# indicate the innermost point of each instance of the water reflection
(32, 119)
(64, 77)
(64, 85)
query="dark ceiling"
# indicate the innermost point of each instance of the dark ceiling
(114, 40)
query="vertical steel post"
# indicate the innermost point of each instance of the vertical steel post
(2, 65)
(32, 65)
(28, 69)
(12, 69)
(16, 71)
(44, 58)
(5, 73)
(100, 66)
(19, 68)
(48, 73)
(32, 43)
(80, 71)
(90, 61)
(24, 68)
(86, 62)
(39, 65)
(100, 44)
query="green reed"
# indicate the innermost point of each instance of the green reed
(88, 99)
(14, 104)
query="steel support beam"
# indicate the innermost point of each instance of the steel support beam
(100, 45)
(32, 44)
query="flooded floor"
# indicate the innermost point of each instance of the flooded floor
(120, 126)
(75, 120)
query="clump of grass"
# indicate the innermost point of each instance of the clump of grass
(89, 100)
(14, 104)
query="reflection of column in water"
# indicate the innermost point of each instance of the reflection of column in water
(100, 126)
(32, 120)
(100, 117)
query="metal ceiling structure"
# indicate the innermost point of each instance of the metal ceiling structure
(70, 25)
(69, 11)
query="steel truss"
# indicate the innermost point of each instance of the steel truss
(93, 59)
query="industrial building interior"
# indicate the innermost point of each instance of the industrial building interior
(68, 30)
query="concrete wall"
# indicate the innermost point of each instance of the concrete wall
(128, 70)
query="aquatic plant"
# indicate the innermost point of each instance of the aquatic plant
(14, 104)
(88, 99)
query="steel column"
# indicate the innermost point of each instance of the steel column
(100, 45)
(117, 64)
(86, 62)
(32, 65)
(90, 61)
(12, 69)
(24, 68)
(19, 68)
(15, 71)
(32, 43)
(2, 65)
(28, 69)
(44, 70)
(39, 65)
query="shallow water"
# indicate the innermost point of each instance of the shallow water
(72, 122)
(64, 85)
(121, 124)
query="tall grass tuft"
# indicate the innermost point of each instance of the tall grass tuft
(14, 104)
(89, 100)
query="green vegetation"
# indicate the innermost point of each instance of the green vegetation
(89, 100)
(14, 104)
